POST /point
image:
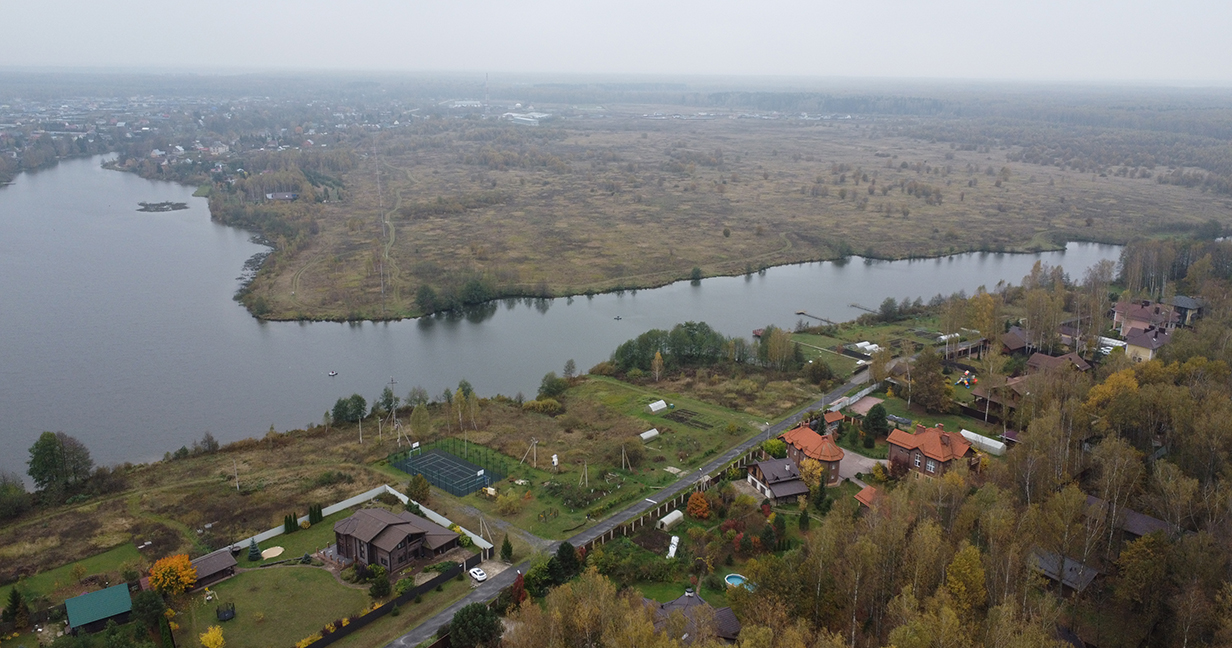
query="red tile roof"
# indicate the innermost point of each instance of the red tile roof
(867, 496)
(813, 445)
(833, 417)
(935, 443)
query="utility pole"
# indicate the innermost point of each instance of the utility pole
(236, 466)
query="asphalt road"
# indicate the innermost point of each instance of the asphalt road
(490, 588)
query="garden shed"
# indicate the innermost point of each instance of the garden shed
(670, 520)
(657, 406)
(91, 612)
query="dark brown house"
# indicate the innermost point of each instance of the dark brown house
(213, 567)
(777, 479)
(930, 451)
(378, 537)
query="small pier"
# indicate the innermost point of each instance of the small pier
(819, 319)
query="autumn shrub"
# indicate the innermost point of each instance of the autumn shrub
(698, 508)
(548, 406)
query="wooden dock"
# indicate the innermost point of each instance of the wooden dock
(819, 319)
(863, 308)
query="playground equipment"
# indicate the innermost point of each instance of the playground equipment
(967, 380)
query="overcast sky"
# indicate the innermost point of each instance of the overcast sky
(1182, 41)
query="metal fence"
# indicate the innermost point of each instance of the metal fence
(453, 465)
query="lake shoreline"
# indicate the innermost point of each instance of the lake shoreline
(841, 261)
(1055, 242)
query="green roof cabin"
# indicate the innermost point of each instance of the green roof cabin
(91, 612)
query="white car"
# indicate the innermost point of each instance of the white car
(478, 574)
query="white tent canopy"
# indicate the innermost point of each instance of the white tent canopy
(649, 434)
(991, 446)
(657, 406)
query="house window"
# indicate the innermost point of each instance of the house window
(932, 466)
(917, 460)
(384, 562)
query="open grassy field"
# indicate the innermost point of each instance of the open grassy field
(602, 415)
(59, 583)
(170, 503)
(271, 607)
(591, 205)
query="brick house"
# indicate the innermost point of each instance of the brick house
(378, 537)
(803, 443)
(930, 451)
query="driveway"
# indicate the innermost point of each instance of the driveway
(853, 463)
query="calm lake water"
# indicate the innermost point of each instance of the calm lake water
(118, 327)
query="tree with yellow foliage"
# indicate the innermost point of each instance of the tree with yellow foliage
(964, 579)
(212, 638)
(812, 473)
(173, 575)
(656, 366)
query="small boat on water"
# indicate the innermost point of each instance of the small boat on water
(617, 317)
(333, 373)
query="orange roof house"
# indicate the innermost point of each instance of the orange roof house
(832, 420)
(803, 443)
(867, 496)
(930, 451)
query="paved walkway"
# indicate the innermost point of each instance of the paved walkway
(853, 463)
(492, 587)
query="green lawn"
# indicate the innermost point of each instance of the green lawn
(953, 422)
(844, 491)
(202, 191)
(310, 540)
(672, 590)
(823, 341)
(108, 562)
(276, 606)
(851, 442)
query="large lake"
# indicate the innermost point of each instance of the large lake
(119, 328)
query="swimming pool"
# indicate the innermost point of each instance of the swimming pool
(736, 580)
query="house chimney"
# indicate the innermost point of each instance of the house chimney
(941, 426)
(919, 428)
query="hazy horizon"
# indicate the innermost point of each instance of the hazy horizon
(1049, 41)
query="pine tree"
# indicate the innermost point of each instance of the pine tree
(506, 552)
(13, 606)
(804, 521)
(254, 552)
